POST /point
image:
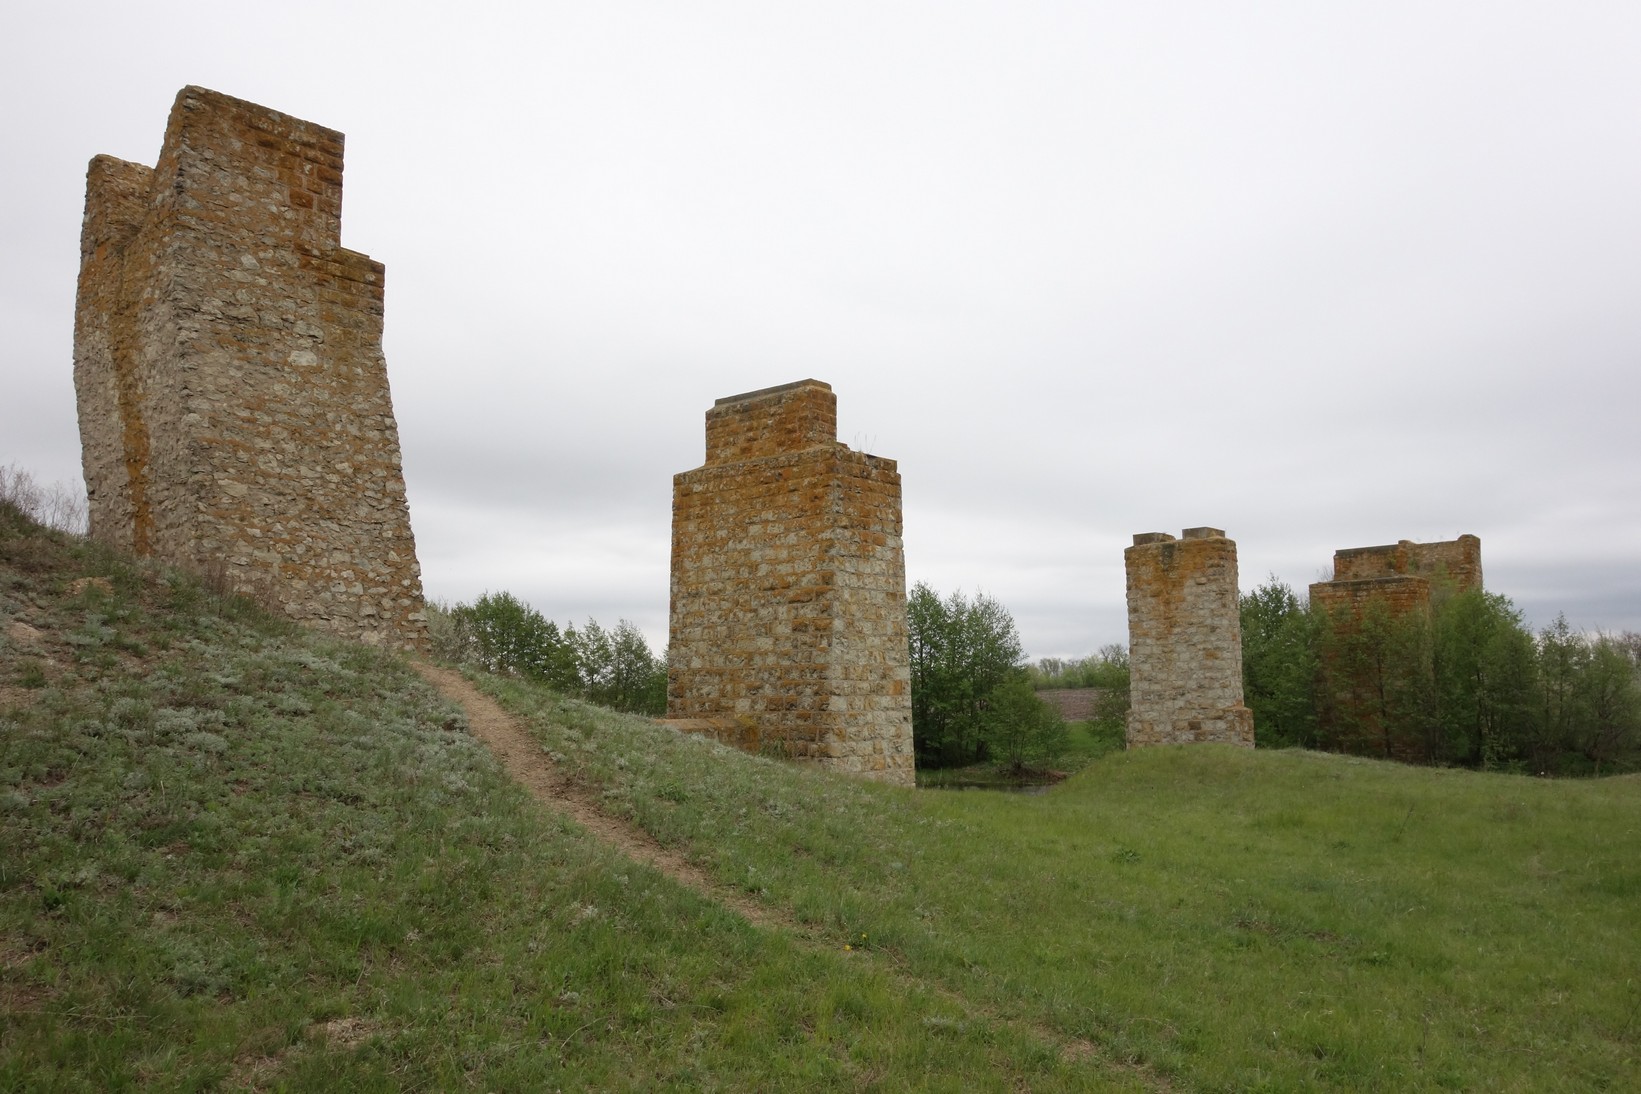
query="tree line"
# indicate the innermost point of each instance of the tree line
(1466, 684)
(1106, 668)
(500, 633)
(1104, 672)
(972, 696)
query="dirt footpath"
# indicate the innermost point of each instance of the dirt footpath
(528, 764)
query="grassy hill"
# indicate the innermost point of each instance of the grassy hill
(234, 855)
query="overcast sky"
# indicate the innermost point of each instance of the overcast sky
(1322, 275)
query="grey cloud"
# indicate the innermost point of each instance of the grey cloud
(1320, 279)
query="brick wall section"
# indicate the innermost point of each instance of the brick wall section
(788, 622)
(1352, 701)
(1400, 575)
(1401, 594)
(233, 397)
(1457, 559)
(1185, 641)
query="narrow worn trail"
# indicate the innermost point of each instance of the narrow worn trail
(524, 759)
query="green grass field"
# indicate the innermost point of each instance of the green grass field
(1085, 742)
(237, 856)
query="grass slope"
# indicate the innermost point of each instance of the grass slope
(1230, 919)
(234, 855)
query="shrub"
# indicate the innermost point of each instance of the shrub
(58, 506)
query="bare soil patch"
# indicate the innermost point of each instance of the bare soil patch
(17, 698)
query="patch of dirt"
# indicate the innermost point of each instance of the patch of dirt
(1074, 704)
(345, 1032)
(16, 952)
(19, 996)
(260, 1070)
(23, 634)
(20, 999)
(17, 698)
(525, 761)
(80, 584)
(253, 1072)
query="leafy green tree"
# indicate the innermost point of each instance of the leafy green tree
(1464, 683)
(1485, 668)
(1051, 672)
(1105, 673)
(961, 652)
(503, 634)
(594, 659)
(1279, 665)
(1110, 674)
(1562, 657)
(1020, 728)
(636, 679)
(1610, 727)
(617, 669)
(939, 691)
(1589, 703)
(500, 633)
(1378, 696)
(1107, 668)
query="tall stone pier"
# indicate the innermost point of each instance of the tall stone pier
(1377, 644)
(233, 397)
(1185, 641)
(788, 624)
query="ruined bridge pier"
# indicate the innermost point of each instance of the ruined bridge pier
(788, 619)
(232, 394)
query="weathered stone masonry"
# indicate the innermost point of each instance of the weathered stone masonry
(1398, 579)
(233, 397)
(1399, 575)
(788, 623)
(1185, 640)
